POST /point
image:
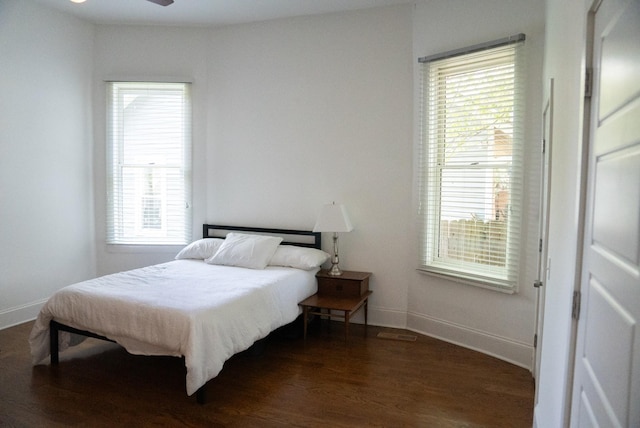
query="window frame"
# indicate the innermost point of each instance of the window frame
(431, 165)
(176, 230)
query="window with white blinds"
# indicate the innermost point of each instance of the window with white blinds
(471, 164)
(148, 163)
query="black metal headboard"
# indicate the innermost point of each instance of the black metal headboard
(301, 238)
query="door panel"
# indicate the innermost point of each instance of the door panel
(615, 223)
(620, 70)
(608, 371)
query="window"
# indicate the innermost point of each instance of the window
(471, 164)
(149, 163)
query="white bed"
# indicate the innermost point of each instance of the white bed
(188, 307)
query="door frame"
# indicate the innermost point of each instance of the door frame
(543, 232)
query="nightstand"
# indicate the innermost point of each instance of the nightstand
(346, 293)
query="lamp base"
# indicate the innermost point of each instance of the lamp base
(335, 270)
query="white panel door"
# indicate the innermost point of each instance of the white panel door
(543, 232)
(606, 390)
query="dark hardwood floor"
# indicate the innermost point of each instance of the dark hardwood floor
(321, 383)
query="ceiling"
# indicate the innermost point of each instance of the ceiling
(205, 12)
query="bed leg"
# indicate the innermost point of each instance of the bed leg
(201, 394)
(53, 342)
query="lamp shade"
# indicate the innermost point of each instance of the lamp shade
(333, 218)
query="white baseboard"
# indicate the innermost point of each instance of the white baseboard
(381, 317)
(514, 352)
(20, 314)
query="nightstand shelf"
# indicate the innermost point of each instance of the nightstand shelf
(346, 293)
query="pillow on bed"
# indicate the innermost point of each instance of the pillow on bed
(244, 250)
(200, 249)
(298, 257)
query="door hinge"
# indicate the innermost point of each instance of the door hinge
(575, 306)
(544, 145)
(537, 283)
(535, 340)
(588, 82)
(540, 246)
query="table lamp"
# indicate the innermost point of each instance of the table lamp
(333, 218)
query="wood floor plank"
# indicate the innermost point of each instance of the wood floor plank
(323, 382)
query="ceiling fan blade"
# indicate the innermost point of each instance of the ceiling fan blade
(162, 2)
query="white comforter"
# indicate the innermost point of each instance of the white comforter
(203, 312)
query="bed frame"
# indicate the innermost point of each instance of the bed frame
(301, 238)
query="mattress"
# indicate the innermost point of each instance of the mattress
(206, 313)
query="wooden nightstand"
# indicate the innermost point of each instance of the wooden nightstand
(346, 293)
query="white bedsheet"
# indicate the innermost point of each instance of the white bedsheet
(206, 313)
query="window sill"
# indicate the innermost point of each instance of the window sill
(462, 279)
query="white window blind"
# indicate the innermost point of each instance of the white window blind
(149, 163)
(471, 165)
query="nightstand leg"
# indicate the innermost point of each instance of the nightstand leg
(366, 309)
(347, 315)
(305, 314)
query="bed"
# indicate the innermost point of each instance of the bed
(219, 296)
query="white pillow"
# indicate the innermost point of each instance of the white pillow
(243, 250)
(200, 249)
(298, 257)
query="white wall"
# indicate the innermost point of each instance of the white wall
(490, 321)
(564, 62)
(310, 110)
(46, 189)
